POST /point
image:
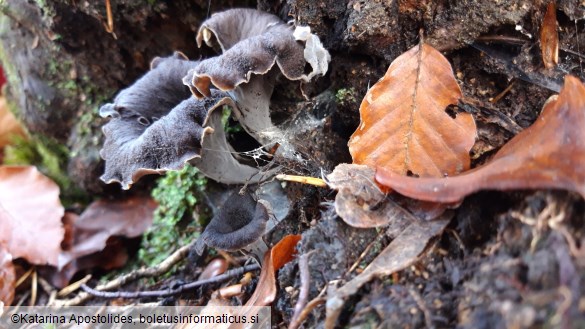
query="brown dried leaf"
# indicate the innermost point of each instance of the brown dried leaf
(104, 219)
(114, 255)
(7, 277)
(30, 215)
(398, 255)
(404, 126)
(549, 154)
(215, 267)
(359, 201)
(549, 37)
(282, 253)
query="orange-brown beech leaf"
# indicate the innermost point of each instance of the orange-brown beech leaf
(104, 219)
(404, 124)
(7, 277)
(548, 154)
(549, 37)
(282, 253)
(30, 215)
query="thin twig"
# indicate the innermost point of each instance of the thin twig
(110, 19)
(171, 291)
(149, 272)
(74, 286)
(423, 307)
(365, 252)
(503, 93)
(23, 277)
(305, 275)
(34, 287)
(310, 306)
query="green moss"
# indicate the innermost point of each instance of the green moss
(50, 158)
(173, 226)
(345, 96)
(230, 126)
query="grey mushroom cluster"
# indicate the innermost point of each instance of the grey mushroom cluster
(171, 116)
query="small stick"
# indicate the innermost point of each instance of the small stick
(503, 93)
(34, 287)
(302, 179)
(23, 277)
(304, 290)
(74, 286)
(110, 17)
(170, 292)
(310, 306)
(48, 288)
(421, 304)
(365, 252)
(110, 26)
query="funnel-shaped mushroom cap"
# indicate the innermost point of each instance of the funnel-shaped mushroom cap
(240, 221)
(155, 126)
(256, 48)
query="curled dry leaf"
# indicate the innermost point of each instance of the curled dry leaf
(548, 154)
(549, 37)
(7, 277)
(30, 215)
(359, 201)
(404, 124)
(398, 255)
(282, 253)
(106, 218)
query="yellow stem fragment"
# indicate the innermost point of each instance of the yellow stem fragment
(303, 179)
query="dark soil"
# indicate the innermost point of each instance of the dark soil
(507, 260)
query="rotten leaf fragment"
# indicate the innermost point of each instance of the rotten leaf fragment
(398, 255)
(405, 127)
(104, 219)
(30, 215)
(548, 154)
(253, 45)
(275, 258)
(7, 277)
(359, 201)
(549, 37)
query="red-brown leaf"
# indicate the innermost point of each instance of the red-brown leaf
(549, 37)
(7, 277)
(282, 253)
(549, 154)
(404, 124)
(30, 215)
(106, 218)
